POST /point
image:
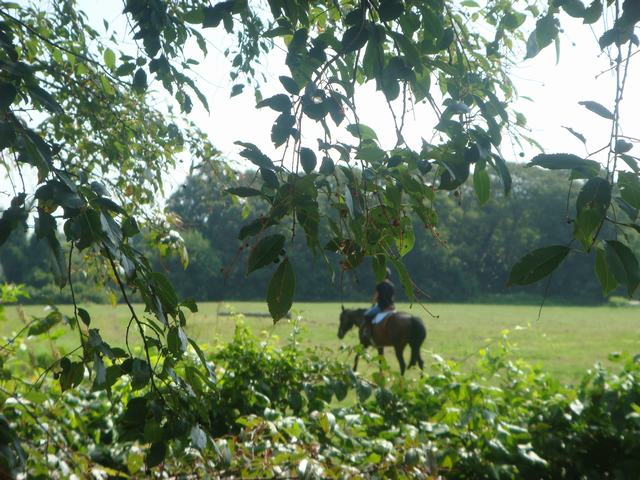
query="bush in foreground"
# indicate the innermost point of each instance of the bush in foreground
(267, 411)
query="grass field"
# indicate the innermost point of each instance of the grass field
(565, 340)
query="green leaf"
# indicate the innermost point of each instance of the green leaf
(586, 172)
(363, 390)
(622, 146)
(190, 303)
(454, 173)
(7, 134)
(45, 324)
(390, 10)
(546, 32)
(236, 90)
(623, 264)
(405, 278)
(84, 316)
(279, 103)
(140, 373)
(574, 8)
(265, 252)
(327, 167)
(632, 162)
(629, 185)
(289, 85)
(152, 431)
(335, 107)
(281, 290)
(56, 260)
(446, 39)
(212, 16)
(155, 454)
(482, 185)
(140, 80)
(378, 263)
(125, 69)
(503, 171)
(198, 438)
(244, 192)
(631, 212)
(608, 37)
(537, 264)
(283, 128)
(361, 131)
(598, 109)
(135, 460)
(603, 272)
(269, 177)
(413, 56)
(255, 227)
(45, 99)
(177, 341)
(578, 135)
(71, 375)
(373, 60)
(130, 227)
(591, 207)
(561, 161)
(163, 288)
(405, 239)
(593, 13)
(308, 159)
(195, 16)
(100, 374)
(109, 59)
(255, 155)
(355, 38)
(7, 95)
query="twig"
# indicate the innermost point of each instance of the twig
(134, 315)
(73, 297)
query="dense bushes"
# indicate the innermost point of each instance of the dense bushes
(270, 411)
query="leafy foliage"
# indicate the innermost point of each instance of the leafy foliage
(76, 117)
(268, 411)
(606, 194)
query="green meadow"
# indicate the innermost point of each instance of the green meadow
(565, 340)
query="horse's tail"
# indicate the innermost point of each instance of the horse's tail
(418, 334)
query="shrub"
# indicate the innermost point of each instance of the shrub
(270, 411)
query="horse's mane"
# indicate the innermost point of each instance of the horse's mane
(355, 310)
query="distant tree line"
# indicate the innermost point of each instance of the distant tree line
(465, 259)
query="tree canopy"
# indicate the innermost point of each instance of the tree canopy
(85, 148)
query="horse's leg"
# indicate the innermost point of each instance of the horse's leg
(412, 359)
(355, 364)
(418, 336)
(415, 358)
(399, 350)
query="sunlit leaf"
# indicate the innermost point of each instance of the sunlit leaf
(281, 290)
(264, 252)
(537, 264)
(598, 109)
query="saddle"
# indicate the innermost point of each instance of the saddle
(381, 317)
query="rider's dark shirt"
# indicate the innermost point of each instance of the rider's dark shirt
(385, 291)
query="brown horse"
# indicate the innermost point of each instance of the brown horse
(397, 330)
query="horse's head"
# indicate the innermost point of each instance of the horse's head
(348, 318)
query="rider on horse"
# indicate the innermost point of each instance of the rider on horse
(383, 299)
